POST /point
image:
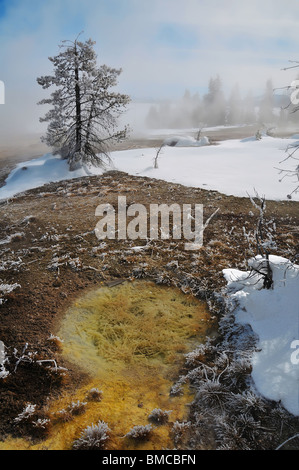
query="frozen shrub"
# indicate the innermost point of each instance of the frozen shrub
(41, 427)
(247, 401)
(228, 435)
(140, 432)
(177, 388)
(3, 372)
(74, 409)
(36, 422)
(197, 356)
(159, 416)
(95, 394)
(180, 431)
(15, 237)
(55, 340)
(212, 394)
(237, 433)
(27, 413)
(6, 289)
(77, 408)
(94, 437)
(63, 415)
(41, 423)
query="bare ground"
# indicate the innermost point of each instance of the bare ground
(48, 246)
(52, 252)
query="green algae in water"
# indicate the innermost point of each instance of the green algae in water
(133, 323)
(131, 339)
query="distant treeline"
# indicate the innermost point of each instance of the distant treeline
(214, 109)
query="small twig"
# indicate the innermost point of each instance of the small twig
(285, 442)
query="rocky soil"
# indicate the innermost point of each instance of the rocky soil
(49, 249)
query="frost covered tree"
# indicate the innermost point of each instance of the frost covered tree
(292, 149)
(83, 118)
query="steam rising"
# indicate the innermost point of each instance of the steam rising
(164, 49)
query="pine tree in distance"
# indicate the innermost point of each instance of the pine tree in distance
(83, 119)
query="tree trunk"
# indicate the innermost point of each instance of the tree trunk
(89, 122)
(78, 105)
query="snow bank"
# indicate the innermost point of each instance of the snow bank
(233, 167)
(37, 172)
(274, 317)
(179, 141)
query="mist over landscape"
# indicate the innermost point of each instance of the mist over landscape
(169, 53)
(149, 227)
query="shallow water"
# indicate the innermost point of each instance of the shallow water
(131, 339)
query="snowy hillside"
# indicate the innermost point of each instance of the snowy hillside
(234, 167)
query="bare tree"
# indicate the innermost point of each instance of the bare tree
(263, 240)
(293, 106)
(157, 155)
(291, 172)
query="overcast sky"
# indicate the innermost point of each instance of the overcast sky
(163, 46)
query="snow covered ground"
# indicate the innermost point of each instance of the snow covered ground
(37, 172)
(274, 316)
(234, 167)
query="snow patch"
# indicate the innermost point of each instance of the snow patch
(273, 315)
(179, 141)
(40, 171)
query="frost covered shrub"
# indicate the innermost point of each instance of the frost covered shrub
(180, 432)
(94, 437)
(140, 432)
(42, 423)
(237, 432)
(94, 394)
(41, 427)
(177, 389)
(6, 289)
(55, 340)
(212, 394)
(3, 372)
(36, 422)
(74, 409)
(247, 402)
(77, 408)
(63, 416)
(26, 414)
(200, 354)
(159, 416)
